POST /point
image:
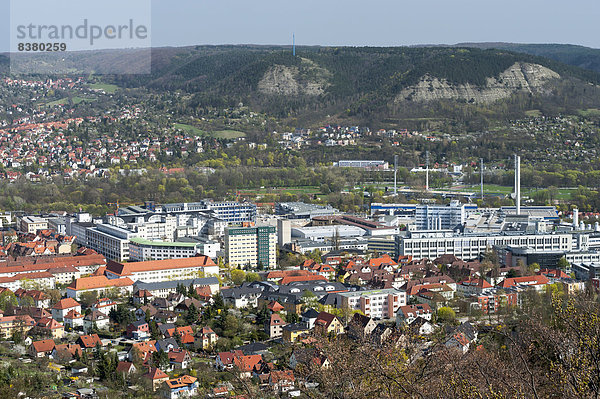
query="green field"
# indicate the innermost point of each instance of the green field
(62, 101)
(533, 112)
(189, 129)
(220, 134)
(563, 193)
(589, 112)
(310, 190)
(227, 134)
(108, 88)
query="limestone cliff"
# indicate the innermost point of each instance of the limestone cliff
(520, 77)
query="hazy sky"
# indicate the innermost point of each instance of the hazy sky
(363, 22)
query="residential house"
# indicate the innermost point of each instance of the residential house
(206, 338)
(327, 323)
(156, 377)
(41, 348)
(104, 305)
(274, 326)
(95, 320)
(309, 317)
(421, 326)
(138, 329)
(281, 381)
(181, 387)
(51, 327)
(407, 314)
(73, 319)
(89, 342)
(179, 359)
(64, 306)
(126, 368)
(11, 324)
(361, 326)
(293, 332)
(66, 352)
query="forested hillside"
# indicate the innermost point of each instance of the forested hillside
(359, 84)
(579, 56)
(363, 85)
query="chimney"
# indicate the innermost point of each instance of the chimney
(518, 184)
(575, 219)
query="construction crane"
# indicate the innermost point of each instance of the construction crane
(115, 204)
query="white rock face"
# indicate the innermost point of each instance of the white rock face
(291, 81)
(520, 77)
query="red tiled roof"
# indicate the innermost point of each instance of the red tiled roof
(127, 269)
(46, 345)
(155, 374)
(66, 303)
(181, 381)
(94, 282)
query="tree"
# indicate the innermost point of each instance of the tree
(8, 300)
(237, 276)
(88, 298)
(446, 315)
(251, 277)
(309, 299)
(160, 359)
(121, 315)
(563, 263)
(191, 315)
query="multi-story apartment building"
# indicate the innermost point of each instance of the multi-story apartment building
(251, 246)
(163, 270)
(432, 244)
(378, 304)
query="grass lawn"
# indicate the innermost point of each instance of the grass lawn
(293, 190)
(189, 129)
(533, 112)
(108, 88)
(227, 134)
(220, 134)
(589, 112)
(62, 101)
(563, 193)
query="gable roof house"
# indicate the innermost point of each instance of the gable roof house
(41, 348)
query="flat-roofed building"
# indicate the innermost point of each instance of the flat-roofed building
(378, 304)
(251, 246)
(433, 244)
(141, 249)
(31, 224)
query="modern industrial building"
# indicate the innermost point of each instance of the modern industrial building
(432, 244)
(252, 246)
(442, 217)
(301, 210)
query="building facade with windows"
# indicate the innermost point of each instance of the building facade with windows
(433, 244)
(251, 245)
(378, 304)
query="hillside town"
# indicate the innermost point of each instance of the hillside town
(219, 299)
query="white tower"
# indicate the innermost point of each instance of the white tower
(518, 184)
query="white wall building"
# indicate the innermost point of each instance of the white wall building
(378, 304)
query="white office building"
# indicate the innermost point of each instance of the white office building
(432, 244)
